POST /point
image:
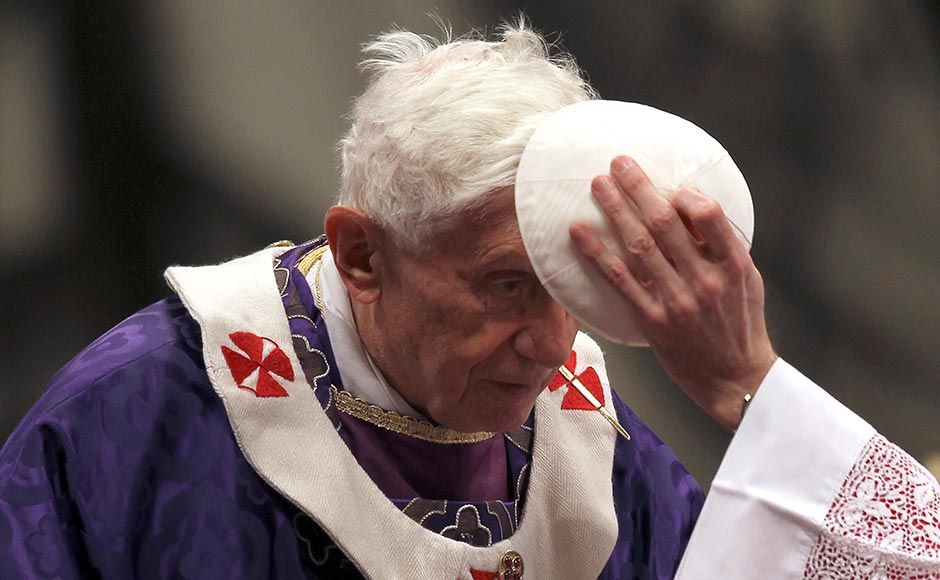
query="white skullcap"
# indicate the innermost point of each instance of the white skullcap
(553, 189)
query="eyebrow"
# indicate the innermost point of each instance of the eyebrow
(511, 259)
(501, 256)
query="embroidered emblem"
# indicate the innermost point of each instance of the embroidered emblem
(312, 360)
(468, 528)
(320, 550)
(498, 510)
(574, 400)
(264, 358)
(281, 277)
(483, 575)
(420, 509)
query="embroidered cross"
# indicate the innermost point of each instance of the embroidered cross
(574, 400)
(584, 392)
(265, 358)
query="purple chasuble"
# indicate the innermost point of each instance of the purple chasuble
(127, 467)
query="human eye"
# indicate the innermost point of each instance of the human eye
(509, 285)
(508, 288)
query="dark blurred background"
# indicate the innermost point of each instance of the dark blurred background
(135, 135)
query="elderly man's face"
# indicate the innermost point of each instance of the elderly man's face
(464, 331)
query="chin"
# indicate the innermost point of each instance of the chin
(492, 420)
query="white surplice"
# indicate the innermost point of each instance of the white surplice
(808, 490)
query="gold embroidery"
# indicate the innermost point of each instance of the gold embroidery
(410, 426)
(316, 286)
(281, 244)
(306, 263)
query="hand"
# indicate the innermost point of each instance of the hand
(697, 295)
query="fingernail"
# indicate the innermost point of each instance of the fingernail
(601, 184)
(620, 164)
(576, 233)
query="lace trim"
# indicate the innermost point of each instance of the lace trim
(835, 558)
(884, 522)
(410, 426)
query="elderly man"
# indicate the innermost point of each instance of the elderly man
(386, 403)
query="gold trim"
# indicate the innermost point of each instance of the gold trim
(316, 286)
(307, 262)
(280, 244)
(410, 426)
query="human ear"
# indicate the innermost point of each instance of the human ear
(354, 240)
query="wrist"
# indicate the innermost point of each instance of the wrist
(738, 395)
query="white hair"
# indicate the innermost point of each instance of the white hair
(443, 123)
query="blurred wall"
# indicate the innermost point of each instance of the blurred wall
(136, 135)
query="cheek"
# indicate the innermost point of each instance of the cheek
(447, 343)
(448, 361)
(454, 334)
(456, 366)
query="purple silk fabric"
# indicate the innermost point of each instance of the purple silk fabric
(405, 467)
(127, 468)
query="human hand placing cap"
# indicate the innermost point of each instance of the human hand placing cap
(640, 267)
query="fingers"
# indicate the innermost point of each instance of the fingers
(658, 216)
(678, 252)
(610, 266)
(642, 254)
(706, 217)
(726, 263)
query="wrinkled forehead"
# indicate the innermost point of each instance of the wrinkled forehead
(487, 230)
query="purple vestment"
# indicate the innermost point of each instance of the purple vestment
(127, 468)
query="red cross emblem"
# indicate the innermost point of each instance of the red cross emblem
(264, 358)
(573, 399)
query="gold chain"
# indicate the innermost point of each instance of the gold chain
(410, 426)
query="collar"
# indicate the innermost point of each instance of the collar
(361, 377)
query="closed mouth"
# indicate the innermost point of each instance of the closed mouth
(512, 385)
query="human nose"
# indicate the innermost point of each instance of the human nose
(547, 335)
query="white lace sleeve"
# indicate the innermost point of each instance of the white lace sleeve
(884, 522)
(809, 491)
